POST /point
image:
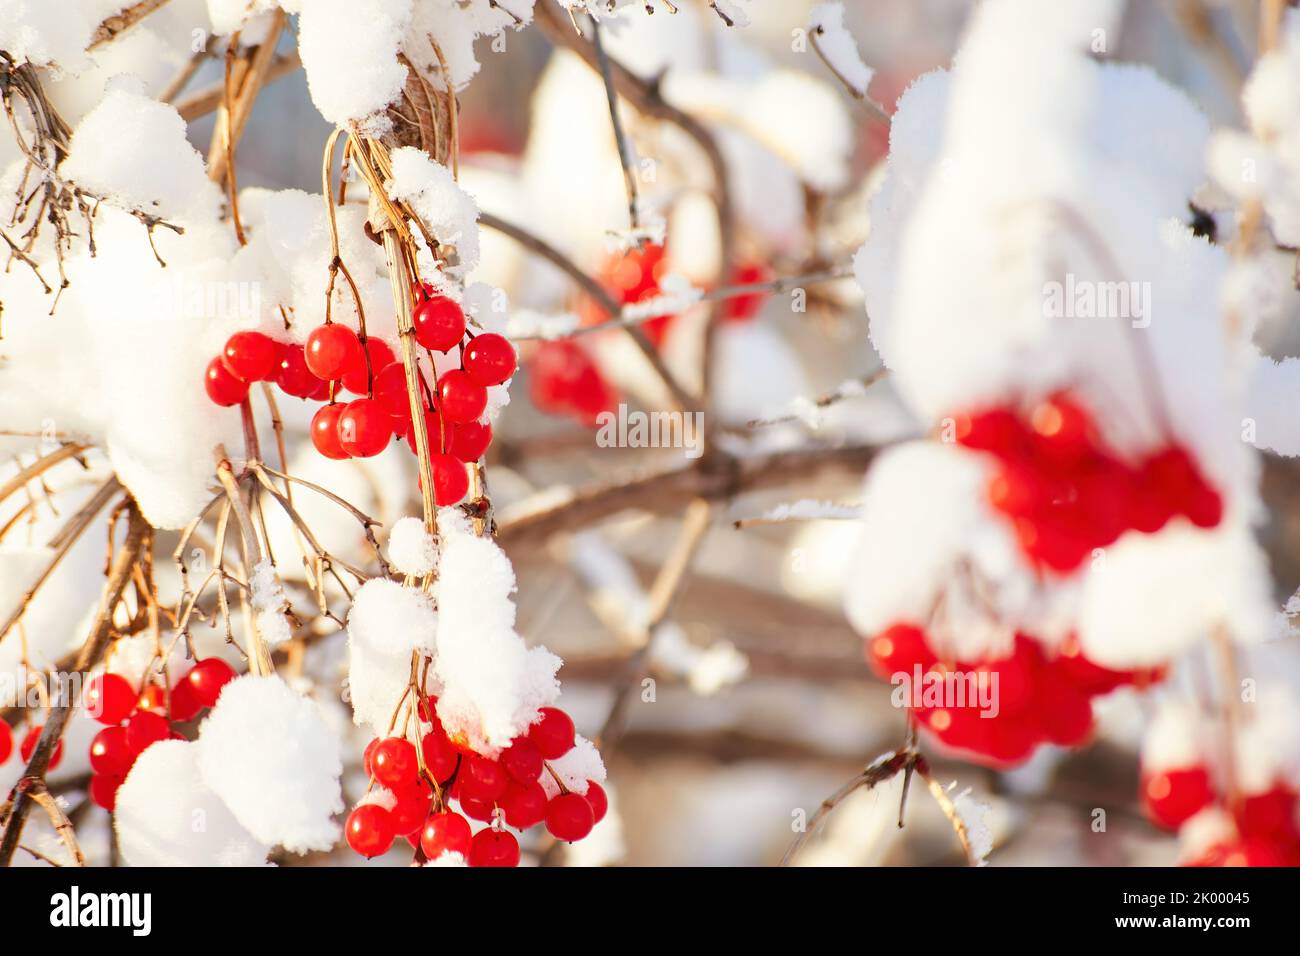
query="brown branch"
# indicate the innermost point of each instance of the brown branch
(92, 651)
(671, 489)
(205, 101)
(118, 24)
(647, 98)
(663, 592)
(886, 767)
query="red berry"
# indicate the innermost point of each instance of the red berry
(494, 848)
(30, 741)
(899, 649)
(1172, 797)
(364, 428)
(332, 350)
(470, 440)
(569, 817)
(524, 805)
(450, 482)
(109, 752)
(6, 741)
(206, 679)
(368, 755)
(144, 729)
(475, 807)
(445, 832)
(411, 808)
(356, 379)
(325, 432)
(553, 734)
(439, 324)
(598, 799)
(185, 706)
(1269, 815)
(1064, 712)
(223, 388)
(1017, 490)
(434, 430)
(995, 430)
(522, 760)
(440, 757)
(482, 778)
(390, 391)
(369, 830)
(460, 398)
(293, 376)
(251, 356)
(153, 698)
(490, 359)
(110, 698)
(103, 789)
(394, 762)
(1063, 432)
(742, 308)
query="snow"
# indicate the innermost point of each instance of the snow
(448, 858)
(454, 25)
(155, 170)
(411, 550)
(575, 769)
(349, 51)
(450, 213)
(1175, 738)
(269, 755)
(167, 815)
(974, 814)
(45, 32)
(838, 46)
(493, 684)
(270, 605)
(387, 623)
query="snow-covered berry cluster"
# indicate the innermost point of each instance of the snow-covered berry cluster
(1229, 809)
(412, 791)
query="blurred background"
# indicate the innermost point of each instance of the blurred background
(759, 703)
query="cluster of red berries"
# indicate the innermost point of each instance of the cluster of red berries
(565, 379)
(1267, 832)
(1038, 698)
(1067, 493)
(508, 789)
(363, 427)
(135, 721)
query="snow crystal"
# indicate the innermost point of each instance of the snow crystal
(450, 213)
(166, 815)
(269, 755)
(386, 625)
(410, 548)
(838, 46)
(493, 684)
(707, 670)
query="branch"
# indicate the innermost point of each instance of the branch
(670, 490)
(116, 25)
(91, 652)
(885, 767)
(204, 101)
